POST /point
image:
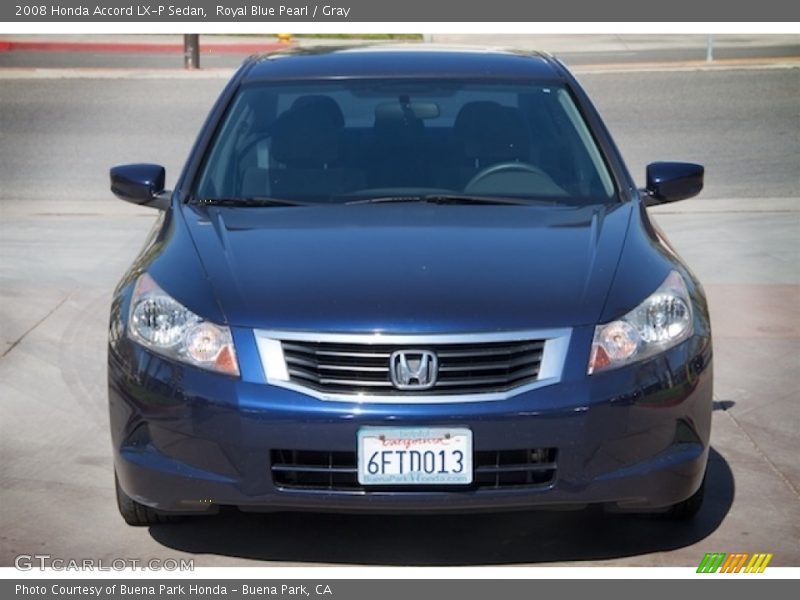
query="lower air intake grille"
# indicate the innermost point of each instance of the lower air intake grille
(337, 471)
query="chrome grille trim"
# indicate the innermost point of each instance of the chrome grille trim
(298, 368)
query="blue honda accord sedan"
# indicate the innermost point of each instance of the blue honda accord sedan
(407, 280)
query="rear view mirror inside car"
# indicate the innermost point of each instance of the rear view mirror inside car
(397, 110)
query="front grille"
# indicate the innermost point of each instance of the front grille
(348, 368)
(337, 471)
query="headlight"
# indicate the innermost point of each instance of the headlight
(161, 324)
(662, 321)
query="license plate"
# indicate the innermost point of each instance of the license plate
(414, 456)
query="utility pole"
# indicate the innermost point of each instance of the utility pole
(191, 51)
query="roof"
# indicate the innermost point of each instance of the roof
(401, 62)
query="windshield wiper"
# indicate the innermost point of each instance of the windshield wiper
(446, 199)
(248, 201)
(252, 201)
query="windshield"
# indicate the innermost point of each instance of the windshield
(355, 140)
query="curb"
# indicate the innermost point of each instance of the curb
(787, 62)
(140, 47)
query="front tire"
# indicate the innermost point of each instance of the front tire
(136, 513)
(686, 510)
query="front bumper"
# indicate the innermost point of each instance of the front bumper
(189, 441)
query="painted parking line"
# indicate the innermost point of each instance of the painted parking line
(113, 73)
(138, 47)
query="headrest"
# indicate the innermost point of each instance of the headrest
(308, 133)
(487, 130)
(323, 104)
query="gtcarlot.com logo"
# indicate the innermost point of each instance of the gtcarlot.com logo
(738, 562)
(28, 562)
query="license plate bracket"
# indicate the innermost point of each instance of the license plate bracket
(433, 456)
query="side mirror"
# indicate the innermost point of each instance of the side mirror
(141, 184)
(671, 181)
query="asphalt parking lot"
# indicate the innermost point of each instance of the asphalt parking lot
(64, 242)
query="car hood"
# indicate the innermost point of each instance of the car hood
(409, 268)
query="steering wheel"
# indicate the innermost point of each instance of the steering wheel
(502, 168)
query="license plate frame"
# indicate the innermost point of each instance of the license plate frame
(387, 456)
